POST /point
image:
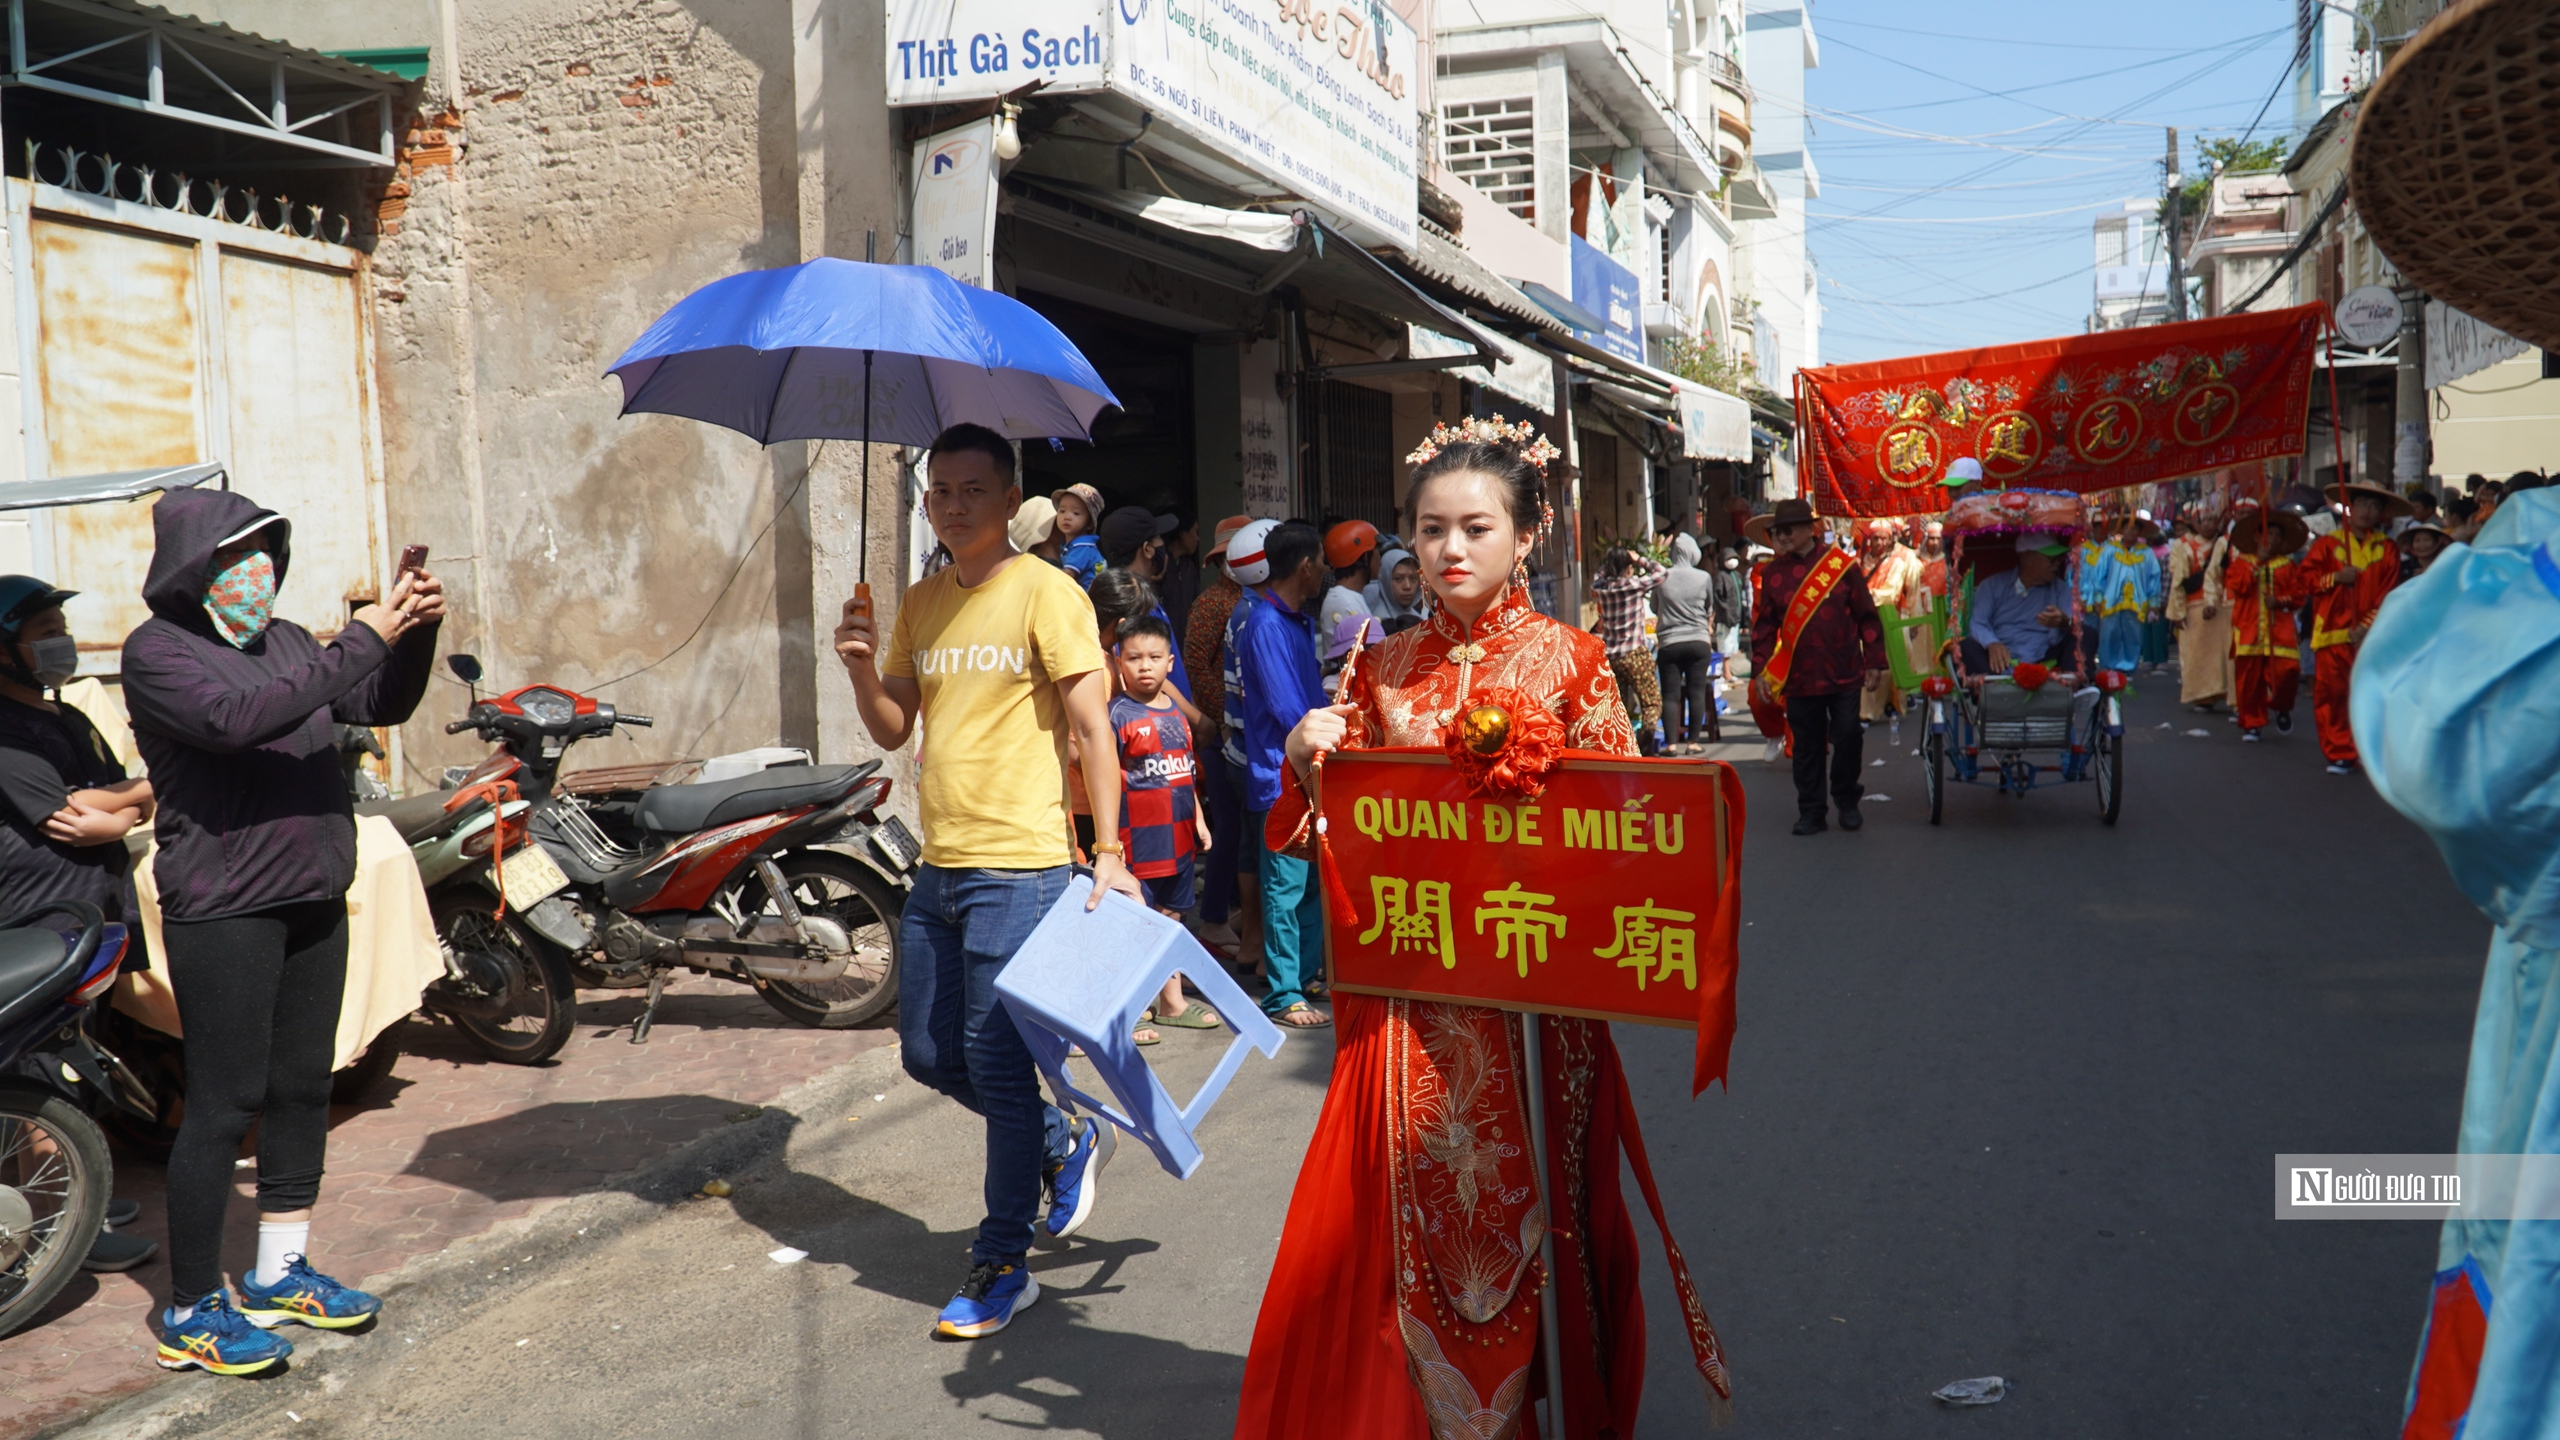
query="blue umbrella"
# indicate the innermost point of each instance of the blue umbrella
(839, 349)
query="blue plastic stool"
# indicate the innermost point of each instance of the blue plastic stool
(1084, 979)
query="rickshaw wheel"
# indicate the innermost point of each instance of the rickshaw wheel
(2110, 774)
(1937, 749)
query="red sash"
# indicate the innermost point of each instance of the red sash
(1825, 577)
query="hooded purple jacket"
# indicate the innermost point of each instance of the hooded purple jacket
(242, 742)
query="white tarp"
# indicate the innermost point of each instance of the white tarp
(1525, 375)
(2458, 345)
(1260, 229)
(1713, 424)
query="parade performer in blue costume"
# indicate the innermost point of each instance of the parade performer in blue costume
(2456, 706)
(2119, 586)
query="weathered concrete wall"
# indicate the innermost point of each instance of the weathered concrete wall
(587, 166)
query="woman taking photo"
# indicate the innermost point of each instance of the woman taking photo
(1404, 1304)
(236, 714)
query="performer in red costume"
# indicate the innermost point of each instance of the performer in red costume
(2349, 570)
(2264, 587)
(1404, 1302)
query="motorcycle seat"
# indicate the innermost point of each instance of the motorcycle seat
(420, 818)
(35, 969)
(684, 809)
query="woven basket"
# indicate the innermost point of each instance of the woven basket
(2456, 168)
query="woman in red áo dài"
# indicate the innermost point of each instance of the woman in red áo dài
(1404, 1302)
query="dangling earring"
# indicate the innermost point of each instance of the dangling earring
(1520, 574)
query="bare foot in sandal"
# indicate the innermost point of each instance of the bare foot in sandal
(1303, 1016)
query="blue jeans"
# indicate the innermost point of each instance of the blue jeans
(960, 928)
(1292, 918)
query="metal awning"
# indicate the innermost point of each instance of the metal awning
(119, 485)
(143, 58)
(1451, 267)
(1253, 252)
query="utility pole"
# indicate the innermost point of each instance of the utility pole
(2409, 449)
(2177, 266)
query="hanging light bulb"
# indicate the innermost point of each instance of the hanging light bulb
(1008, 134)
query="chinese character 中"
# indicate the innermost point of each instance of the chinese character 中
(1516, 917)
(1642, 943)
(1424, 925)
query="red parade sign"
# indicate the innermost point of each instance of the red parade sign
(1613, 895)
(2082, 413)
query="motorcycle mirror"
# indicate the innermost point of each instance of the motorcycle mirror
(465, 667)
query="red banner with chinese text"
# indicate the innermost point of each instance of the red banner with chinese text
(1614, 895)
(2082, 413)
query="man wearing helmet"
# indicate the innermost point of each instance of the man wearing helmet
(1351, 551)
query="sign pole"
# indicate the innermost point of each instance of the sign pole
(1530, 1074)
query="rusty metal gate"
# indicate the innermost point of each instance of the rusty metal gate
(151, 336)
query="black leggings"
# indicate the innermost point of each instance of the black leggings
(258, 996)
(1684, 674)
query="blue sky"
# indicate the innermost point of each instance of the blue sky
(1942, 243)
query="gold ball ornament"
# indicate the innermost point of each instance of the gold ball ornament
(1486, 729)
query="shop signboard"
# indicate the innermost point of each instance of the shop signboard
(1318, 97)
(942, 52)
(2458, 345)
(1611, 291)
(954, 185)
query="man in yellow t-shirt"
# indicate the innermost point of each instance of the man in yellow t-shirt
(997, 657)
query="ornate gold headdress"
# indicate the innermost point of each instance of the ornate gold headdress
(1519, 435)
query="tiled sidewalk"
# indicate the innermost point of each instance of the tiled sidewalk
(448, 1147)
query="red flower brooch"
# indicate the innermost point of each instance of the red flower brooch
(1506, 744)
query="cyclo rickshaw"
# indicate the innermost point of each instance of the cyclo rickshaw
(2037, 725)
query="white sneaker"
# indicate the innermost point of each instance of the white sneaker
(1770, 751)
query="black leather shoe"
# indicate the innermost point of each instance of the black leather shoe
(115, 1251)
(1810, 825)
(1850, 819)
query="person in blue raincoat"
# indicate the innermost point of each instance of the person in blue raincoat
(2456, 707)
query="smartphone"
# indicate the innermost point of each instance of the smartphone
(413, 560)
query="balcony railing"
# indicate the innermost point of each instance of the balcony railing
(1728, 74)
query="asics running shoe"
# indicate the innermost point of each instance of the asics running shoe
(988, 1300)
(1074, 1184)
(307, 1297)
(218, 1338)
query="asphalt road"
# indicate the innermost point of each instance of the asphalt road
(2005, 1100)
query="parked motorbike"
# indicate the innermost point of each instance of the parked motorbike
(506, 988)
(54, 1170)
(743, 878)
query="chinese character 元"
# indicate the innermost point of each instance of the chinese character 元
(1516, 917)
(1641, 943)
(1423, 925)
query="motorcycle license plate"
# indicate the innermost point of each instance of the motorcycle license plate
(530, 876)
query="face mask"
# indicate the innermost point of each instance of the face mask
(1732, 564)
(56, 660)
(242, 599)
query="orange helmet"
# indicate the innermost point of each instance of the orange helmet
(1346, 543)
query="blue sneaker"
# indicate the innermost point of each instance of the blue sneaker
(988, 1300)
(306, 1296)
(219, 1339)
(1073, 1184)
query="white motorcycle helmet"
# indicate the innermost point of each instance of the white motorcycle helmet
(1247, 559)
